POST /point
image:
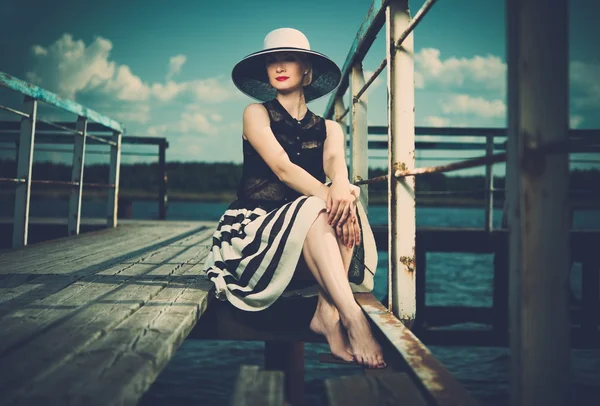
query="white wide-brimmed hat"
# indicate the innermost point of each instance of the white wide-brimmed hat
(250, 74)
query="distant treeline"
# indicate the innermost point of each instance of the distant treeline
(224, 177)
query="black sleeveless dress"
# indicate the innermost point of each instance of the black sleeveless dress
(258, 241)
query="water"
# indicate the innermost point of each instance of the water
(204, 371)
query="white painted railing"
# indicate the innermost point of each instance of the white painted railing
(32, 96)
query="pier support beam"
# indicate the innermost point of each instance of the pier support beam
(401, 156)
(537, 186)
(288, 357)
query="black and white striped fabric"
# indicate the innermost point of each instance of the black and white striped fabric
(255, 253)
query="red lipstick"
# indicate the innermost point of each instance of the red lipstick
(281, 78)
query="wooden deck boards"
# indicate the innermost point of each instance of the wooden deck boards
(102, 334)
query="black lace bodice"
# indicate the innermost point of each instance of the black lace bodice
(302, 141)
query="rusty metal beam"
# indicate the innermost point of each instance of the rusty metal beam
(435, 379)
(362, 42)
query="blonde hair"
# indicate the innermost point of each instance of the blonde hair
(304, 59)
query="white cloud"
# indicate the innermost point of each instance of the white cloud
(175, 64)
(127, 86)
(211, 90)
(68, 66)
(585, 82)
(190, 122)
(479, 72)
(575, 121)
(465, 104)
(436, 121)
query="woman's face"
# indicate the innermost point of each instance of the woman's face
(285, 71)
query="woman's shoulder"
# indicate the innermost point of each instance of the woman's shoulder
(332, 126)
(255, 111)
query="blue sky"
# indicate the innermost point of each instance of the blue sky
(163, 68)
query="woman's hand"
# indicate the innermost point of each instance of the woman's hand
(338, 203)
(349, 232)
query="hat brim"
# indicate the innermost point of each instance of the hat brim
(250, 75)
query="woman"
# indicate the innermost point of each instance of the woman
(287, 225)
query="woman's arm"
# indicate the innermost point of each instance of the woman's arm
(257, 129)
(334, 164)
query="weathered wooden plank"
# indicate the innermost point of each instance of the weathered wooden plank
(254, 387)
(121, 365)
(78, 315)
(137, 272)
(431, 374)
(40, 94)
(32, 260)
(394, 388)
(43, 248)
(25, 286)
(82, 255)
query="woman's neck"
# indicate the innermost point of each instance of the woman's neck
(294, 103)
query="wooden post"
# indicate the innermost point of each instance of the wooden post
(162, 181)
(24, 164)
(77, 176)
(401, 155)
(113, 178)
(288, 357)
(359, 147)
(590, 297)
(537, 186)
(489, 186)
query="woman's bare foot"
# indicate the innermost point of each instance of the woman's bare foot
(326, 321)
(364, 347)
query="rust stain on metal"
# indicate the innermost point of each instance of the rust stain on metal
(436, 379)
(409, 262)
(400, 166)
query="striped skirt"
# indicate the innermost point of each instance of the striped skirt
(254, 253)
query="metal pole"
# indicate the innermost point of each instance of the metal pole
(24, 165)
(359, 148)
(537, 186)
(113, 178)
(489, 186)
(401, 137)
(77, 176)
(162, 182)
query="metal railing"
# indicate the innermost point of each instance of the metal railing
(27, 132)
(537, 163)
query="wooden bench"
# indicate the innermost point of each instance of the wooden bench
(92, 319)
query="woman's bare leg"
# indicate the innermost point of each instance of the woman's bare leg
(324, 260)
(326, 320)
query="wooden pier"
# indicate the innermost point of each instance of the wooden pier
(92, 319)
